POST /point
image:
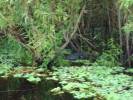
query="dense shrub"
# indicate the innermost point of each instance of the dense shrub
(35, 29)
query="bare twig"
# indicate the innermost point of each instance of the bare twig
(75, 28)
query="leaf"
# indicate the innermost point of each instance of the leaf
(56, 90)
(18, 75)
(3, 23)
(33, 79)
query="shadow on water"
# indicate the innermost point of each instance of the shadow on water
(22, 90)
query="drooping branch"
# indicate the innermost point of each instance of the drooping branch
(16, 33)
(58, 52)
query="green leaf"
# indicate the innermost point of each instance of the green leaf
(33, 79)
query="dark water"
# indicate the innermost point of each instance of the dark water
(76, 56)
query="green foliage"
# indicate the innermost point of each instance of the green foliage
(129, 70)
(36, 28)
(102, 83)
(86, 82)
(43, 23)
(128, 27)
(127, 5)
(30, 74)
(109, 56)
(12, 52)
(4, 69)
(33, 29)
(29, 77)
